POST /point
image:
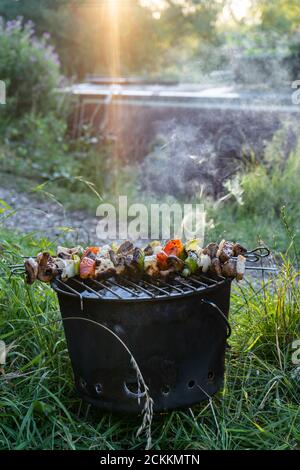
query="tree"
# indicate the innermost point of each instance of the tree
(81, 31)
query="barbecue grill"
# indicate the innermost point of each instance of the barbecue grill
(176, 330)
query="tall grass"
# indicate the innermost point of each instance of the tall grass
(257, 409)
(265, 188)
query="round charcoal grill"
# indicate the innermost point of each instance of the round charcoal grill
(175, 330)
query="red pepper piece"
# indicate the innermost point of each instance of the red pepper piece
(174, 247)
(87, 267)
(94, 250)
(162, 260)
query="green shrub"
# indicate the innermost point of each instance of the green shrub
(36, 147)
(259, 57)
(265, 190)
(29, 67)
(39, 148)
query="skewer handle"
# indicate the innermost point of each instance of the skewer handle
(257, 254)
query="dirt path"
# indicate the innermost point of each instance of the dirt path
(45, 218)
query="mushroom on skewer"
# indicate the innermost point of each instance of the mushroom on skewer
(31, 270)
(234, 268)
(47, 269)
(216, 267)
(211, 250)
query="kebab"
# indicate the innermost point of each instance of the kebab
(155, 261)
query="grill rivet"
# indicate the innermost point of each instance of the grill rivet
(165, 390)
(210, 375)
(98, 388)
(191, 383)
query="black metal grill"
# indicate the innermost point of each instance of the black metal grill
(124, 289)
(176, 330)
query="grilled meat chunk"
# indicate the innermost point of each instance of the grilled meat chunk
(238, 249)
(47, 269)
(229, 268)
(240, 267)
(211, 250)
(125, 248)
(31, 270)
(216, 267)
(68, 253)
(87, 267)
(225, 251)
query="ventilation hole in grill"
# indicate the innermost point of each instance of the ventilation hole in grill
(132, 389)
(165, 390)
(210, 375)
(98, 388)
(191, 384)
(82, 383)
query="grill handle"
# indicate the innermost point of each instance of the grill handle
(257, 254)
(221, 314)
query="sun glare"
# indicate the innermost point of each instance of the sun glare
(114, 37)
(235, 10)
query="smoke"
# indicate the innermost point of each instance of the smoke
(199, 151)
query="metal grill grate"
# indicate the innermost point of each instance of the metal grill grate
(125, 289)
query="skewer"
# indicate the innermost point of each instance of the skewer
(251, 256)
(263, 268)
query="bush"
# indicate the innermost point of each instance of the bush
(274, 185)
(36, 147)
(29, 67)
(293, 59)
(76, 171)
(266, 189)
(258, 58)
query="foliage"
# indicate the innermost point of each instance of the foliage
(29, 67)
(265, 189)
(82, 33)
(41, 155)
(259, 56)
(293, 59)
(36, 147)
(279, 15)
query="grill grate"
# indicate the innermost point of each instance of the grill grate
(125, 289)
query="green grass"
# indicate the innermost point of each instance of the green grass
(259, 407)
